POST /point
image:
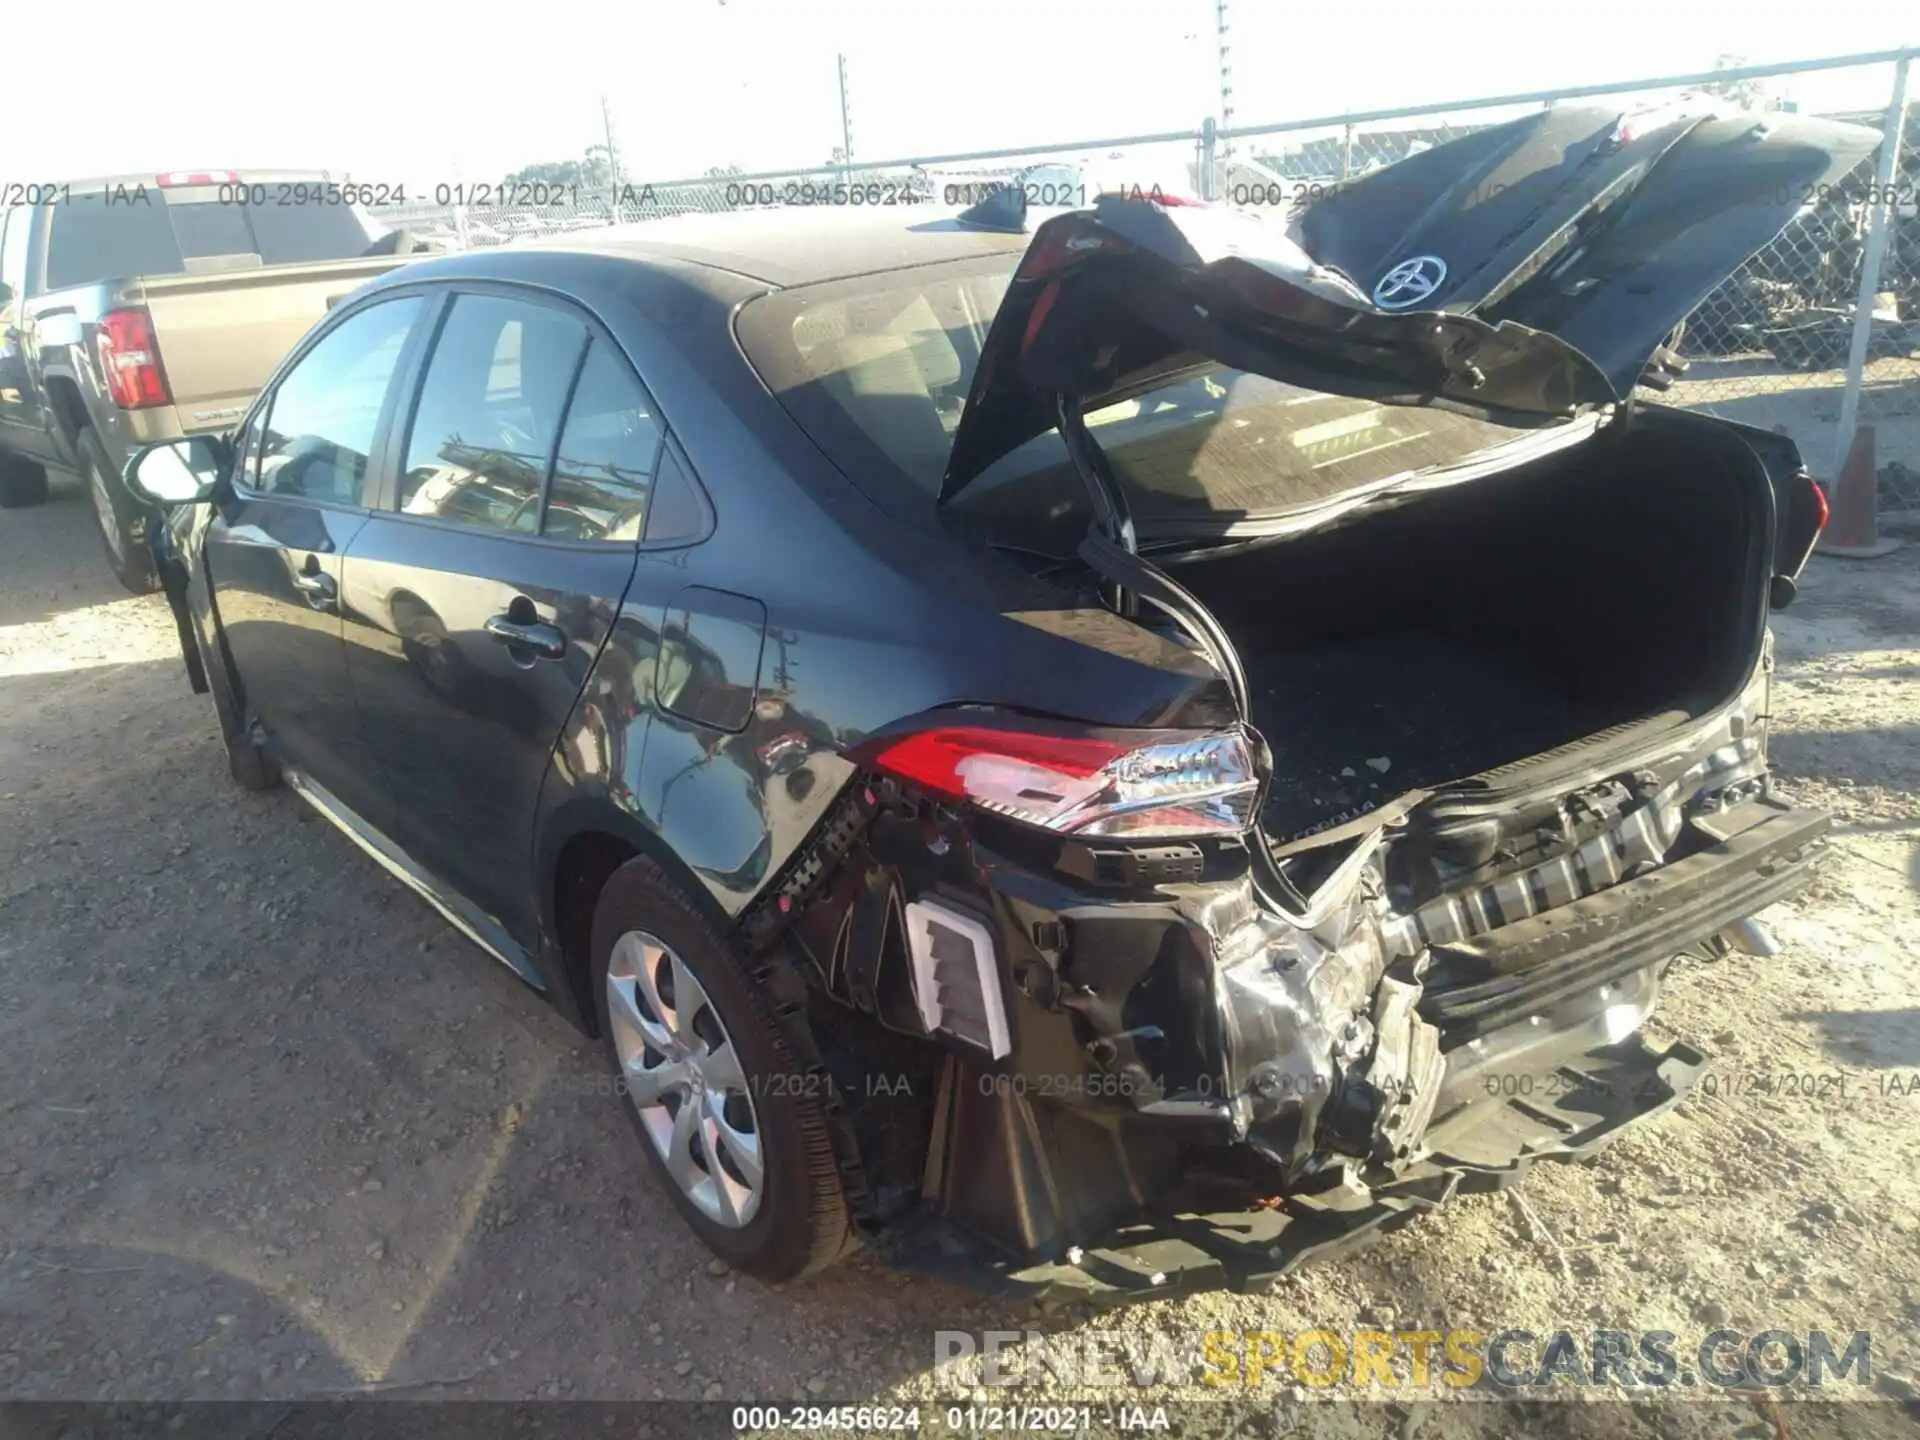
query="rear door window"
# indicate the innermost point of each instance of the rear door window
(609, 453)
(483, 430)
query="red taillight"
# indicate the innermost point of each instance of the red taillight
(1144, 784)
(1821, 512)
(937, 760)
(130, 360)
(196, 177)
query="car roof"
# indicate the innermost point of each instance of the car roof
(795, 245)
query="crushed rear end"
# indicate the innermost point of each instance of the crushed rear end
(1252, 983)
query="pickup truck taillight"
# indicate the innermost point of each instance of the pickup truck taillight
(130, 360)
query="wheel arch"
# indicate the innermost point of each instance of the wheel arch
(69, 409)
(584, 841)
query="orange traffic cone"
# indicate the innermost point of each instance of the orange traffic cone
(1853, 528)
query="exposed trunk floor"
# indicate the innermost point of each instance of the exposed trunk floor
(1432, 708)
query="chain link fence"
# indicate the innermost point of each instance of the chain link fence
(1770, 347)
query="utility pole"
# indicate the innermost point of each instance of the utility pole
(846, 116)
(613, 161)
(1224, 49)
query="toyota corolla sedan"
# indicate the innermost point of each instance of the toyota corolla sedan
(1124, 750)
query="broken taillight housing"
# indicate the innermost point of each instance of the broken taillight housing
(1149, 784)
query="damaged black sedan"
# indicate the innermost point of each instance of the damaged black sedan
(1119, 751)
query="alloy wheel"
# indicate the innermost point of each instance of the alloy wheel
(680, 1069)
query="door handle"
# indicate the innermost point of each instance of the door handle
(547, 642)
(318, 587)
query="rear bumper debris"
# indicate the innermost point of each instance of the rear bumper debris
(1593, 1101)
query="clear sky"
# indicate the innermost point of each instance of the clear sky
(387, 90)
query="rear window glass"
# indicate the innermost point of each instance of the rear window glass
(1217, 447)
(92, 239)
(877, 369)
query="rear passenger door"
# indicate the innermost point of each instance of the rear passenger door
(484, 586)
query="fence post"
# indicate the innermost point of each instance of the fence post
(1209, 147)
(1881, 213)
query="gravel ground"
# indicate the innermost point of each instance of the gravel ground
(273, 1130)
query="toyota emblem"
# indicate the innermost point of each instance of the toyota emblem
(1410, 282)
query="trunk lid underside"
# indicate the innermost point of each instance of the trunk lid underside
(1525, 273)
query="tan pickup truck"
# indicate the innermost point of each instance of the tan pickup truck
(142, 307)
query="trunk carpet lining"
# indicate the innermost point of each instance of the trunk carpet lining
(1433, 708)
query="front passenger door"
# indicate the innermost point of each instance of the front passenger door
(276, 540)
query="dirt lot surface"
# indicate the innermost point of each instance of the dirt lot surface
(273, 1130)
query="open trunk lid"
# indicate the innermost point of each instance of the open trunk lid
(1524, 273)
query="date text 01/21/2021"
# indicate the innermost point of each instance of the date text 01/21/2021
(958, 1419)
(820, 1085)
(1838, 1085)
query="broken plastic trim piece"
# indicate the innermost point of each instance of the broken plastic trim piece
(956, 983)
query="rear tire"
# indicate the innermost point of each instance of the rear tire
(22, 483)
(121, 520)
(792, 1218)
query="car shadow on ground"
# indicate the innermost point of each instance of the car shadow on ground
(276, 1130)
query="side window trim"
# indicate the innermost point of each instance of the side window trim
(560, 430)
(396, 424)
(246, 464)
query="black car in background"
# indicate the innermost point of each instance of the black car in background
(1121, 756)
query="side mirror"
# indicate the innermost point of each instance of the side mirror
(175, 472)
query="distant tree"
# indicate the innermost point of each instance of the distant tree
(598, 168)
(548, 172)
(592, 171)
(1747, 94)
